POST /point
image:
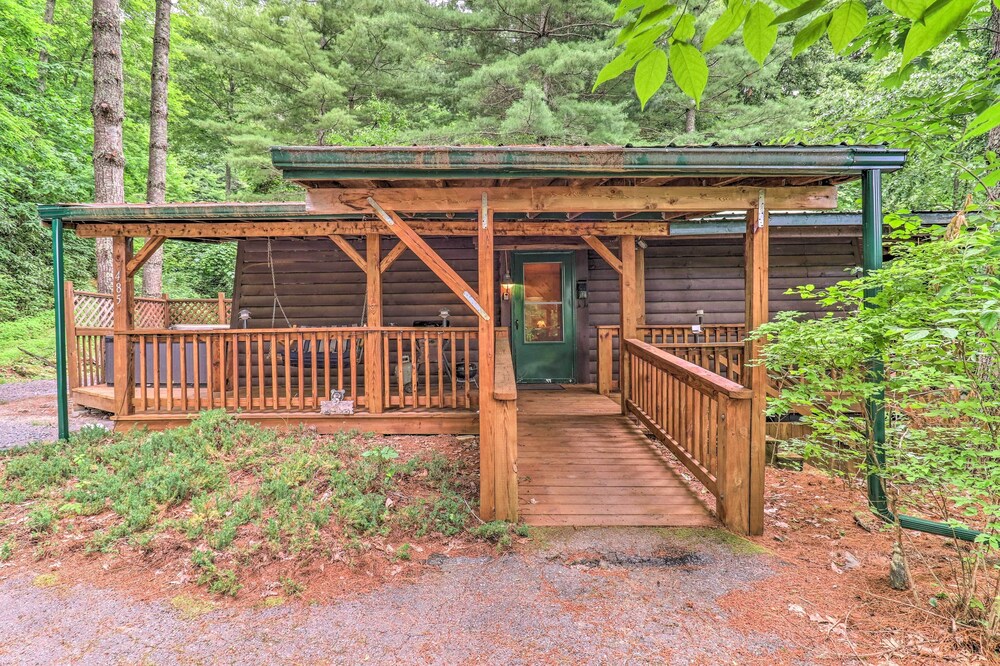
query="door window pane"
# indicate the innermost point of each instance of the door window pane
(543, 307)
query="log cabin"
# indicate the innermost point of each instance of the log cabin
(567, 304)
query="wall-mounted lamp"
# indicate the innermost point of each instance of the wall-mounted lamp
(244, 316)
(506, 286)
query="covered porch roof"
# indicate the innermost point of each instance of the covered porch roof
(533, 190)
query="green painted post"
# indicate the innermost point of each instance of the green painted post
(62, 383)
(871, 260)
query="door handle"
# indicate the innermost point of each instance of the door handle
(517, 324)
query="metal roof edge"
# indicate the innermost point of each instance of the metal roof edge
(348, 162)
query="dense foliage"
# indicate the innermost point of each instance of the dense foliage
(931, 317)
(246, 75)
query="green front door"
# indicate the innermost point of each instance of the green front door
(543, 314)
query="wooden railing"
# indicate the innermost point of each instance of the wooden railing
(702, 418)
(717, 347)
(295, 370)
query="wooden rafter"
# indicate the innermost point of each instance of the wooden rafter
(395, 253)
(264, 229)
(152, 245)
(349, 250)
(568, 199)
(432, 259)
(605, 252)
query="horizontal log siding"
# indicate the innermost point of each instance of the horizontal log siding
(319, 286)
(684, 275)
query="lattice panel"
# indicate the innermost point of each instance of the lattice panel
(93, 311)
(194, 311)
(150, 313)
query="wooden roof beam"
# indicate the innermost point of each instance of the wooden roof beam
(432, 259)
(569, 199)
(307, 228)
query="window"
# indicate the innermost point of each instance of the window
(543, 305)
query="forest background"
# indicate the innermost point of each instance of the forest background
(246, 75)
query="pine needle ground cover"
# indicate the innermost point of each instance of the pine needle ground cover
(240, 511)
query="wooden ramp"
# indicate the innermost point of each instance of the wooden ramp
(580, 462)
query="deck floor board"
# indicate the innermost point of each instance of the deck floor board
(580, 462)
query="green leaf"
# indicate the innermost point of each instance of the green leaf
(651, 6)
(689, 70)
(983, 123)
(810, 34)
(621, 64)
(989, 320)
(724, 26)
(807, 7)
(949, 333)
(650, 74)
(911, 9)
(625, 6)
(918, 334)
(846, 23)
(759, 33)
(940, 20)
(685, 28)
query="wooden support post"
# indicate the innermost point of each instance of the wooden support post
(123, 293)
(223, 319)
(640, 285)
(756, 283)
(734, 460)
(166, 309)
(629, 316)
(505, 428)
(374, 370)
(605, 360)
(72, 351)
(488, 436)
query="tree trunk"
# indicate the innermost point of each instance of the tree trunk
(43, 53)
(689, 124)
(993, 138)
(109, 114)
(156, 178)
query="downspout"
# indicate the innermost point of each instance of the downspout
(62, 382)
(871, 241)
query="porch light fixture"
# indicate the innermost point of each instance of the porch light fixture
(244, 316)
(506, 285)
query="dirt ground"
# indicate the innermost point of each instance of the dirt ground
(812, 590)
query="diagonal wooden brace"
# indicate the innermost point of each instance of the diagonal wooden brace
(151, 246)
(432, 259)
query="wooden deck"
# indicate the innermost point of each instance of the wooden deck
(580, 462)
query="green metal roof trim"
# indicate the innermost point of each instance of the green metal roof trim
(308, 163)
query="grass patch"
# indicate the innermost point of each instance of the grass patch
(46, 580)
(191, 608)
(35, 334)
(737, 545)
(238, 494)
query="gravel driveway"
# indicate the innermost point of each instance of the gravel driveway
(28, 413)
(601, 596)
